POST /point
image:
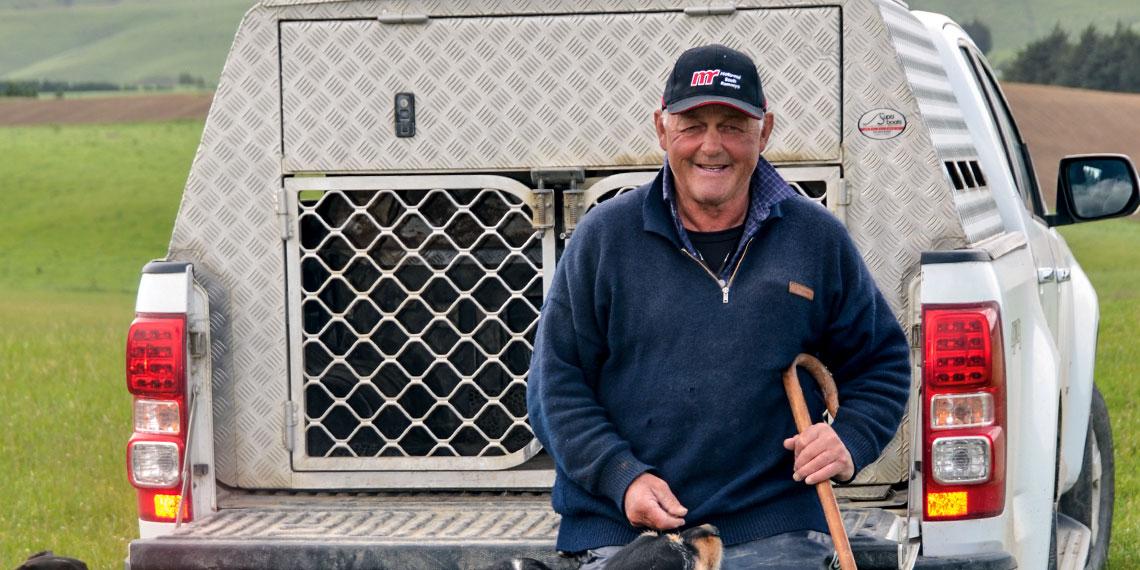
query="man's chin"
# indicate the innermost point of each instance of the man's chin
(712, 195)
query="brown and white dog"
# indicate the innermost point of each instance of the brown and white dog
(698, 548)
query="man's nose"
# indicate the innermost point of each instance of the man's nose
(711, 142)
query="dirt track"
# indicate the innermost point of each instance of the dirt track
(1055, 121)
(125, 109)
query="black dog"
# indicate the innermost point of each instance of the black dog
(698, 548)
(47, 560)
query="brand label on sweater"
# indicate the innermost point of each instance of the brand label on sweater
(801, 290)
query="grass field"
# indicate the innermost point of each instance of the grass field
(87, 206)
(64, 422)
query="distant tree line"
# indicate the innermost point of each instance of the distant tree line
(980, 33)
(1104, 61)
(34, 88)
(9, 88)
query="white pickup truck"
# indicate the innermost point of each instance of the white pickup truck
(329, 366)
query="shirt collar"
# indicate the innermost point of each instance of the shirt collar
(766, 188)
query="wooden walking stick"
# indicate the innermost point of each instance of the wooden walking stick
(803, 420)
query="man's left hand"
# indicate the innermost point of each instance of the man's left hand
(820, 455)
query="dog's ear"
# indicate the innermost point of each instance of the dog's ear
(47, 560)
(650, 550)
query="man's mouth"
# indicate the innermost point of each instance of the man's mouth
(713, 168)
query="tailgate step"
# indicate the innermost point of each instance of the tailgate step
(362, 532)
(408, 531)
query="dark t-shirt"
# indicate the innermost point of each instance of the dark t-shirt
(716, 247)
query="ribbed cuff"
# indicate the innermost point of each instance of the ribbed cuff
(617, 475)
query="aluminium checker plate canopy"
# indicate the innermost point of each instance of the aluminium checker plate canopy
(308, 85)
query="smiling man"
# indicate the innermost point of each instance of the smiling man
(656, 377)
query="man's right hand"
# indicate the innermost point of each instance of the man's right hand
(649, 503)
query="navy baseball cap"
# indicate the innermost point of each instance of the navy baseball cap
(714, 75)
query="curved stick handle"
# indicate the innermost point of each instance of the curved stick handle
(803, 420)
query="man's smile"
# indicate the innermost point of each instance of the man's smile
(712, 168)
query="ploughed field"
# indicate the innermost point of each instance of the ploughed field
(96, 109)
(86, 205)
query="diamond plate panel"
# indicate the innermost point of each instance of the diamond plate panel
(901, 204)
(460, 523)
(943, 118)
(227, 225)
(521, 92)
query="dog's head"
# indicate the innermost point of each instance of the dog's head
(698, 548)
(47, 560)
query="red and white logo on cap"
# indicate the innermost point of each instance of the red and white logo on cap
(704, 77)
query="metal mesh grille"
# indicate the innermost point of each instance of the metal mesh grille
(418, 315)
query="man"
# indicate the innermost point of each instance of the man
(656, 377)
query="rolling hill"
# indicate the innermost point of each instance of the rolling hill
(119, 41)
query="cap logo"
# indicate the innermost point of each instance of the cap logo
(704, 77)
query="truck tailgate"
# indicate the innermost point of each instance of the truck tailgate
(410, 531)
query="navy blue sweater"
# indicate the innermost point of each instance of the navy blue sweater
(640, 365)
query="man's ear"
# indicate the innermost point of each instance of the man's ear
(659, 124)
(766, 127)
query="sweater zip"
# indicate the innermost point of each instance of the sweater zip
(724, 287)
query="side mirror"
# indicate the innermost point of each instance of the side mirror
(1095, 187)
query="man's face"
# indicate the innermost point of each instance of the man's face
(712, 151)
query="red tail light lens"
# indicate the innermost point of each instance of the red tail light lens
(156, 375)
(963, 412)
(156, 355)
(959, 349)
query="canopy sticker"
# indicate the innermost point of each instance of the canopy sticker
(882, 124)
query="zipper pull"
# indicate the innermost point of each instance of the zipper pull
(723, 290)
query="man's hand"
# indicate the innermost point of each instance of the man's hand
(820, 455)
(650, 503)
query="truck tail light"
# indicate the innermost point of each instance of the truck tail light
(156, 351)
(158, 416)
(155, 463)
(963, 412)
(156, 375)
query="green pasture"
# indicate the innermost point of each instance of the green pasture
(86, 206)
(64, 422)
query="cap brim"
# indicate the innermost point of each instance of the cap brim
(694, 102)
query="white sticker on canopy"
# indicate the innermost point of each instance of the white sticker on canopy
(882, 124)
